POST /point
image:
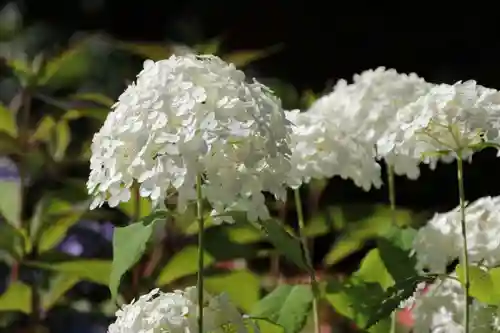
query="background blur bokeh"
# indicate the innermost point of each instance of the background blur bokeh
(64, 63)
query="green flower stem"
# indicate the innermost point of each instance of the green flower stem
(465, 254)
(313, 281)
(392, 200)
(201, 252)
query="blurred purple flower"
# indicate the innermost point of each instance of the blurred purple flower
(8, 169)
(88, 239)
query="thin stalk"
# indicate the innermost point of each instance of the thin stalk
(392, 200)
(136, 214)
(461, 193)
(201, 232)
(313, 281)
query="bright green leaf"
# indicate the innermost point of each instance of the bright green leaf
(398, 261)
(94, 270)
(244, 234)
(58, 287)
(16, 298)
(482, 286)
(129, 244)
(10, 204)
(7, 121)
(44, 129)
(372, 269)
(342, 248)
(286, 243)
(288, 306)
(232, 283)
(182, 264)
(266, 326)
(68, 68)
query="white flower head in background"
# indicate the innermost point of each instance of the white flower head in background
(450, 118)
(188, 116)
(366, 107)
(440, 242)
(322, 149)
(176, 312)
(441, 310)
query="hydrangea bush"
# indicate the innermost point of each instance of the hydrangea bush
(194, 128)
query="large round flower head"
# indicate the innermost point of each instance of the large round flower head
(441, 310)
(440, 242)
(367, 106)
(322, 149)
(450, 118)
(188, 116)
(176, 312)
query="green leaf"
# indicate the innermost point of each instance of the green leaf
(93, 270)
(482, 285)
(17, 297)
(10, 204)
(266, 326)
(44, 129)
(244, 58)
(397, 260)
(372, 269)
(147, 50)
(12, 241)
(182, 264)
(362, 223)
(54, 231)
(96, 98)
(144, 208)
(7, 121)
(129, 244)
(232, 283)
(285, 243)
(210, 47)
(58, 288)
(288, 306)
(244, 234)
(392, 298)
(68, 68)
(9, 145)
(62, 139)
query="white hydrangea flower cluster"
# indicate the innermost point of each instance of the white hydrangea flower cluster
(176, 312)
(447, 119)
(440, 310)
(366, 107)
(322, 149)
(440, 241)
(186, 116)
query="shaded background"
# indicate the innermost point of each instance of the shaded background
(319, 44)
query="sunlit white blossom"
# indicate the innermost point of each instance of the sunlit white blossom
(449, 118)
(186, 116)
(441, 310)
(322, 149)
(366, 107)
(176, 311)
(440, 241)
